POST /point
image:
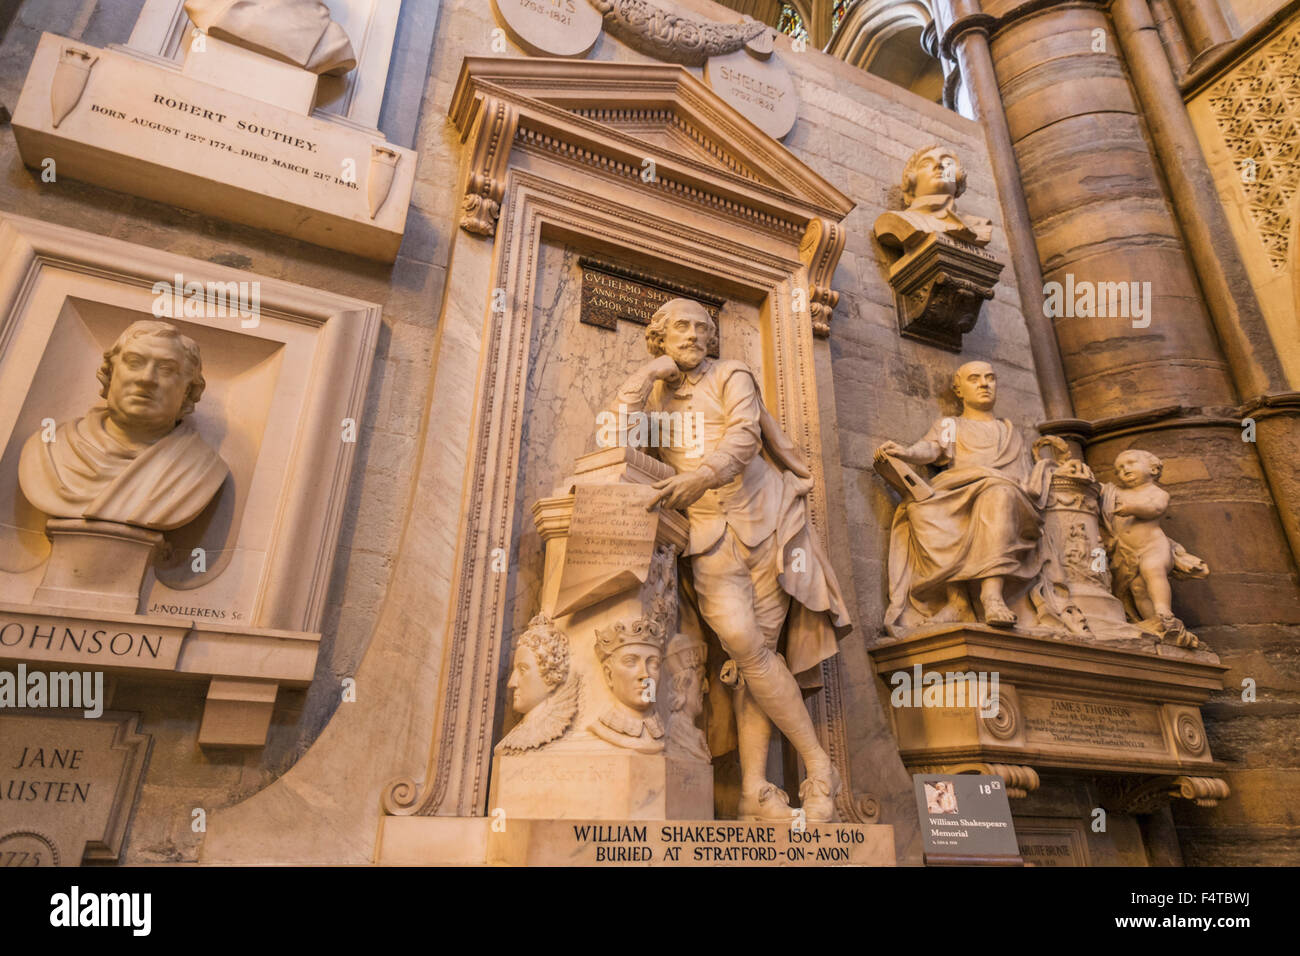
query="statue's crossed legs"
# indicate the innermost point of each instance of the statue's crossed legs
(741, 599)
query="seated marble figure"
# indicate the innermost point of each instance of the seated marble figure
(133, 460)
(976, 536)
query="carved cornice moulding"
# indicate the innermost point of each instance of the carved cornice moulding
(668, 36)
(567, 110)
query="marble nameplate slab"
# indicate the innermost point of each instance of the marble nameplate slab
(688, 843)
(135, 642)
(611, 292)
(1069, 723)
(105, 117)
(67, 787)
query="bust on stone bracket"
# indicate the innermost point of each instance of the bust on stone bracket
(944, 275)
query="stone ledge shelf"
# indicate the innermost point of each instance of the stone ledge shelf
(245, 666)
(1064, 704)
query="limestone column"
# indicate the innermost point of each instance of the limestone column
(1203, 24)
(1169, 381)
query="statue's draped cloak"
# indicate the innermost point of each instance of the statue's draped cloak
(88, 473)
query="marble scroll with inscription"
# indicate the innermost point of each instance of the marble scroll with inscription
(611, 541)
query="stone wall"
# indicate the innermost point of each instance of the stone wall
(391, 588)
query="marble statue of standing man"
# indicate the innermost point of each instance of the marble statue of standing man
(133, 460)
(751, 548)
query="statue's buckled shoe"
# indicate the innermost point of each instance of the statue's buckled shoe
(817, 796)
(769, 803)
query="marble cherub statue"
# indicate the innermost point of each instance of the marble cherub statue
(300, 32)
(134, 460)
(688, 684)
(542, 688)
(757, 564)
(932, 180)
(1142, 556)
(630, 655)
(974, 533)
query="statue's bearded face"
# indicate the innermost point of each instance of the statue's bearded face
(627, 672)
(686, 337)
(151, 376)
(977, 386)
(526, 682)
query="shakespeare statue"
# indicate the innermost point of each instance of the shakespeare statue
(932, 180)
(134, 460)
(755, 561)
(300, 32)
(972, 536)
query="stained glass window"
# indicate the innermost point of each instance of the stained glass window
(837, 16)
(791, 23)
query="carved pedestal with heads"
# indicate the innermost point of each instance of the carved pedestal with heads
(609, 610)
(939, 289)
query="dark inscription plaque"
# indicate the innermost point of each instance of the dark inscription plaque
(611, 292)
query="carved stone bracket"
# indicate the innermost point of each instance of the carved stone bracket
(1149, 794)
(939, 289)
(492, 134)
(1019, 780)
(667, 36)
(820, 250)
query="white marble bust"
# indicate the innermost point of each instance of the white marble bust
(300, 32)
(132, 460)
(932, 180)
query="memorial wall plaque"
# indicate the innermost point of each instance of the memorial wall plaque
(965, 818)
(1055, 843)
(611, 292)
(760, 89)
(1067, 722)
(551, 27)
(68, 785)
(610, 544)
(154, 132)
(689, 843)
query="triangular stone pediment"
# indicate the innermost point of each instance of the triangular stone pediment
(624, 112)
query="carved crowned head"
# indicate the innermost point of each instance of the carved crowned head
(933, 171)
(630, 655)
(151, 378)
(976, 386)
(1137, 467)
(682, 329)
(541, 664)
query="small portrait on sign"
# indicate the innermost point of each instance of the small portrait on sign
(940, 797)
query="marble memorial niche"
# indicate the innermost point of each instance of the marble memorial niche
(944, 275)
(116, 478)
